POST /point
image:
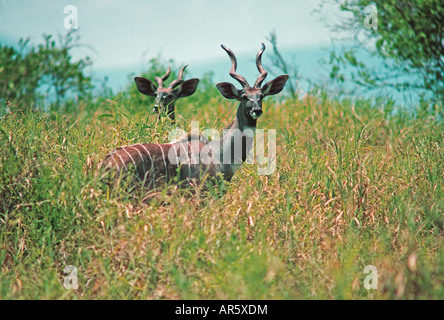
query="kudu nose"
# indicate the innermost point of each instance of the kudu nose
(159, 103)
(256, 113)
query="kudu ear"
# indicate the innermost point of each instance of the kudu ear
(187, 88)
(275, 86)
(228, 90)
(145, 86)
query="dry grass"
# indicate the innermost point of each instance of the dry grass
(354, 186)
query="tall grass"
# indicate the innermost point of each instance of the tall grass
(355, 185)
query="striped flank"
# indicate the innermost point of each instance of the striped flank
(151, 163)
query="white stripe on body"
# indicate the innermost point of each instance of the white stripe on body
(164, 162)
(141, 157)
(134, 162)
(121, 160)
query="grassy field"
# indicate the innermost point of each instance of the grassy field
(356, 185)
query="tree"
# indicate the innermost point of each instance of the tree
(278, 63)
(27, 74)
(406, 35)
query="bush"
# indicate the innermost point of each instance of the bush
(32, 74)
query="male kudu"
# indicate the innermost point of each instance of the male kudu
(194, 160)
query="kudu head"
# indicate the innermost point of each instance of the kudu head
(167, 96)
(250, 97)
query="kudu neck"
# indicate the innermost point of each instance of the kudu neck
(243, 121)
(169, 114)
(238, 140)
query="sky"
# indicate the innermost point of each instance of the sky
(121, 36)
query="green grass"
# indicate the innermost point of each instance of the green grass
(355, 185)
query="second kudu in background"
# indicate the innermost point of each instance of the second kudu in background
(167, 96)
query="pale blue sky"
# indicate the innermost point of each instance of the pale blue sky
(190, 30)
(124, 35)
